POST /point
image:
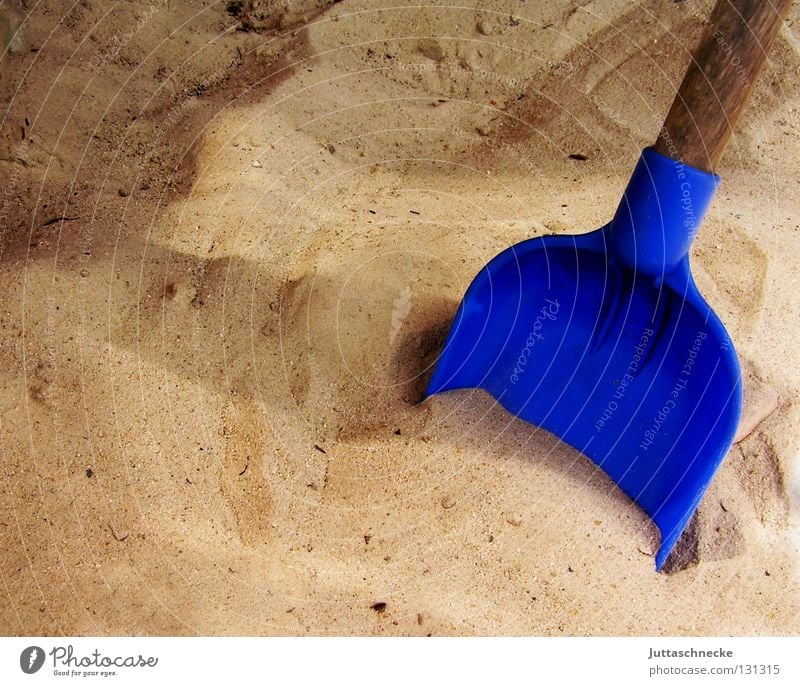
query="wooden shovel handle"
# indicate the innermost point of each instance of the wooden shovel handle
(719, 79)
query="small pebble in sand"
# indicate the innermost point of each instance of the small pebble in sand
(484, 28)
(514, 520)
(257, 164)
(379, 607)
(448, 502)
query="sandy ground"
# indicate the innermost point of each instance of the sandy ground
(233, 236)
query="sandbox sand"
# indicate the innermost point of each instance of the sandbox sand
(232, 243)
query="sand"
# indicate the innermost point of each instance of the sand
(233, 239)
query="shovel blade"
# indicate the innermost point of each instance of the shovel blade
(636, 373)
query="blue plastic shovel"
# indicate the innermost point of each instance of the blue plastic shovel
(603, 338)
